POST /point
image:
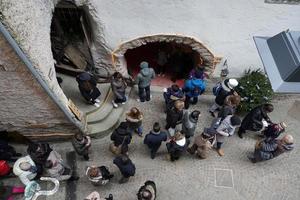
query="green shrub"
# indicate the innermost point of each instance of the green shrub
(255, 89)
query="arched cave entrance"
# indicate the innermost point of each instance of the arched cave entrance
(183, 54)
(171, 61)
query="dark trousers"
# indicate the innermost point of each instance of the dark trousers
(188, 100)
(154, 148)
(193, 149)
(117, 100)
(241, 131)
(219, 145)
(142, 95)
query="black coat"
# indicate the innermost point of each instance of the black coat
(39, 152)
(174, 117)
(155, 139)
(127, 169)
(121, 136)
(253, 120)
(93, 92)
(222, 96)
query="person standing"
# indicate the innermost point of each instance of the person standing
(121, 138)
(88, 88)
(118, 85)
(57, 168)
(147, 191)
(126, 167)
(270, 148)
(134, 120)
(226, 88)
(226, 129)
(176, 146)
(201, 146)
(82, 144)
(257, 119)
(193, 88)
(172, 94)
(189, 123)
(8, 152)
(98, 175)
(143, 80)
(174, 116)
(154, 139)
(25, 169)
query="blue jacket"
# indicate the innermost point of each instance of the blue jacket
(155, 139)
(127, 169)
(191, 84)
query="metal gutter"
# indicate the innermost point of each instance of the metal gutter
(38, 77)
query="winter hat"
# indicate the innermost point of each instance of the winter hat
(232, 83)
(235, 121)
(25, 166)
(144, 64)
(288, 139)
(195, 114)
(282, 125)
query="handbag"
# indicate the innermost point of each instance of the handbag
(117, 150)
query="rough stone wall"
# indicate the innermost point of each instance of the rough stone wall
(29, 22)
(24, 105)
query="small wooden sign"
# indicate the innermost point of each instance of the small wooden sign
(75, 110)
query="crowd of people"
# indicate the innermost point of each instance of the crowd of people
(179, 133)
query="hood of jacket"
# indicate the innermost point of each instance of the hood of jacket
(145, 72)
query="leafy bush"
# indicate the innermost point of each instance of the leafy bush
(255, 89)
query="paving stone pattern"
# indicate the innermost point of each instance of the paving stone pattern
(230, 177)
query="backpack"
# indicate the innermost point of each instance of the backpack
(217, 88)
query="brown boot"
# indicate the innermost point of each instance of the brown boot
(220, 152)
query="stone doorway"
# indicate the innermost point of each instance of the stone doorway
(129, 54)
(71, 39)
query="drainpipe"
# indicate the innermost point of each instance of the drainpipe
(38, 77)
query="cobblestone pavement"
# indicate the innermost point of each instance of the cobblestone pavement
(229, 177)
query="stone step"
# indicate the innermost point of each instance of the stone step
(104, 121)
(107, 125)
(104, 110)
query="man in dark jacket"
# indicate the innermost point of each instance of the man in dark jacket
(174, 115)
(121, 138)
(254, 119)
(88, 88)
(269, 148)
(143, 80)
(126, 167)
(227, 89)
(7, 152)
(154, 139)
(39, 153)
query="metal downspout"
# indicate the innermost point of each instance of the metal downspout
(38, 77)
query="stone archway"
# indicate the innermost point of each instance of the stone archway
(209, 58)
